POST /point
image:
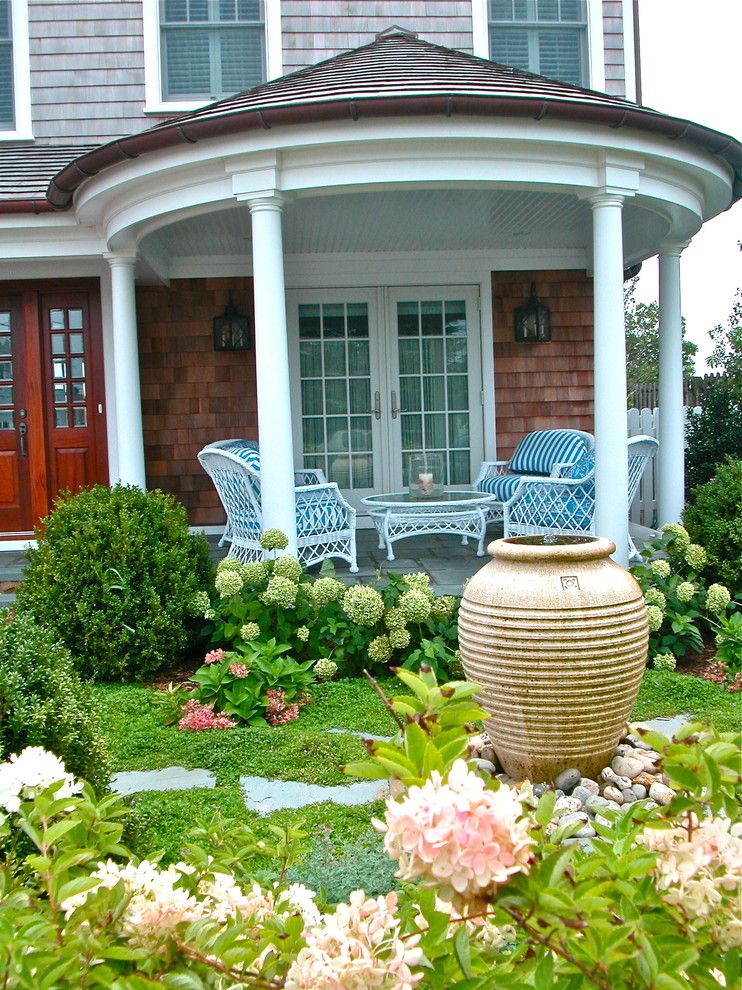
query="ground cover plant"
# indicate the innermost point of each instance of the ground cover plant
(684, 612)
(486, 896)
(400, 621)
(44, 703)
(113, 576)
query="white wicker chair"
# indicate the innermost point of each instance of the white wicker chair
(326, 523)
(566, 504)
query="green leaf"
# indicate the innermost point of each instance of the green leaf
(462, 950)
(366, 769)
(544, 976)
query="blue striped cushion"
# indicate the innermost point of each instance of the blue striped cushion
(501, 485)
(539, 451)
(247, 451)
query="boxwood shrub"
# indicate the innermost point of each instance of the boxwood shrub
(114, 575)
(44, 703)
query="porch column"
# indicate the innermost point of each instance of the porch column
(272, 367)
(671, 435)
(129, 430)
(611, 460)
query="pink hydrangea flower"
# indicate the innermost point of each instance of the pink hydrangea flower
(238, 670)
(197, 717)
(215, 656)
(278, 712)
(458, 835)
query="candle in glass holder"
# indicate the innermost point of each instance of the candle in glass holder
(425, 482)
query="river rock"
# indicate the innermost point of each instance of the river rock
(488, 753)
(639, 791)
(638, 743)
(582, 793)
(567, 780)
(566, 806)
(646, 779)
(487, 765)
(628, 795)
(611, 777)
(611, 793)
(595, 804)
(627, 766)
(590, 785)
(661, 793)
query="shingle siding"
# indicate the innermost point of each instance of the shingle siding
(613, 48)
(313, 30)
(87, 70)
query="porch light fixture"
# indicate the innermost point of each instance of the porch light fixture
(232, 332)
(532, 320)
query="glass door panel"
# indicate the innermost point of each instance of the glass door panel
(434, 363)
(335, 357)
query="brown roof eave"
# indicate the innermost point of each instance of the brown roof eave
(37, 206)
(63, 186)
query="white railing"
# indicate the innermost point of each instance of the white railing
(646, 422)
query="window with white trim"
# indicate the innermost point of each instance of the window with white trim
(211, 48)
(7, 90)
(548, 37)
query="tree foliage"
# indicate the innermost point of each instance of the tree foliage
(642, 322)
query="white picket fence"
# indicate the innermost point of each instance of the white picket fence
(646, 422)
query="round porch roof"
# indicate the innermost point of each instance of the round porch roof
(396, 75)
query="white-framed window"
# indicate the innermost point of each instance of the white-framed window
(549, 37)
(15, 80)
(198, 51)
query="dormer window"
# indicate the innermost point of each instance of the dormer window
(7, 100)
(211, 48)
(548, 37)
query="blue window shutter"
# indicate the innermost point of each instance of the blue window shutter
(241, 58)
(187, 62)
(560, 55)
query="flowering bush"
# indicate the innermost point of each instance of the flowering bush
(714, 519)
(355, 627)
(255, 682)
(649, 904)
(680, 608)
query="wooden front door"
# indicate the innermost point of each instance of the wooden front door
(52, 417)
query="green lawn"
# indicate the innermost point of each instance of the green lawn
(343, 841)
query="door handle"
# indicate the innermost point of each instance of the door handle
(377, 405)
(395, 407)
(22, 431)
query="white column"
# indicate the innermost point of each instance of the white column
(272, 366)
(126, 368)
(671, 453)
(611, 460)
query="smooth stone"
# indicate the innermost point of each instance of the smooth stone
(638, 743)
(639, 791)
(574, 816)
(540, 789)
(504, 779)
(167, 779)
(590, 785)
(488, 753)
(486, 765)
(582, 793)
(586, 832)
(476, 744)
(651, 805)
(264, 796)
(559, 793)
(566, 806)
(661, 793)
(567, 780)
(596, 803)
(625, 766)
(646, 779)
(611, 793)
(628, 795)
(611, 777)
(577, 840)
(359, 735)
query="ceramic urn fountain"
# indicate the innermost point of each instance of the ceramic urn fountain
(556, 634)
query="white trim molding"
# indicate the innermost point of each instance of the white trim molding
(23, 130)
(480, 28)
(153, 100)
(629, 50)
(595, 45)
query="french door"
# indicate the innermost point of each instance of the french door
(52, 420)
(383, 374)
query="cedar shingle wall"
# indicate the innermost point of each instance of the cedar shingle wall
(314, 31)
(548, 385)
(191, 394)
(613, 46)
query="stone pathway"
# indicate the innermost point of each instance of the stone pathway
(167, 779)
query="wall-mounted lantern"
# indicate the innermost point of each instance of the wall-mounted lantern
(532, 320)
(232, 332)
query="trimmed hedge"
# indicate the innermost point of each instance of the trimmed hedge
(114, 575)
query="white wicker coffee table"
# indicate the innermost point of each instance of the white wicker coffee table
(399, 515)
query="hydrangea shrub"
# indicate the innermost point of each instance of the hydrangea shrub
(400, 622)
(114, 576)
(714, 519)
(650, 903)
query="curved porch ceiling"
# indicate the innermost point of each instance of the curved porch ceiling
(401, 111)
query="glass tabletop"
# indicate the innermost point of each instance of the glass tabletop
(405, 498)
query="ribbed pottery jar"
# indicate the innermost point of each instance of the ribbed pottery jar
(556, 634)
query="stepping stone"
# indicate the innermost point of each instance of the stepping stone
(668, 725)
(168, 779)
(265, 796)
(359, 735)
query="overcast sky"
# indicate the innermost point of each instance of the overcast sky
(692, 67)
